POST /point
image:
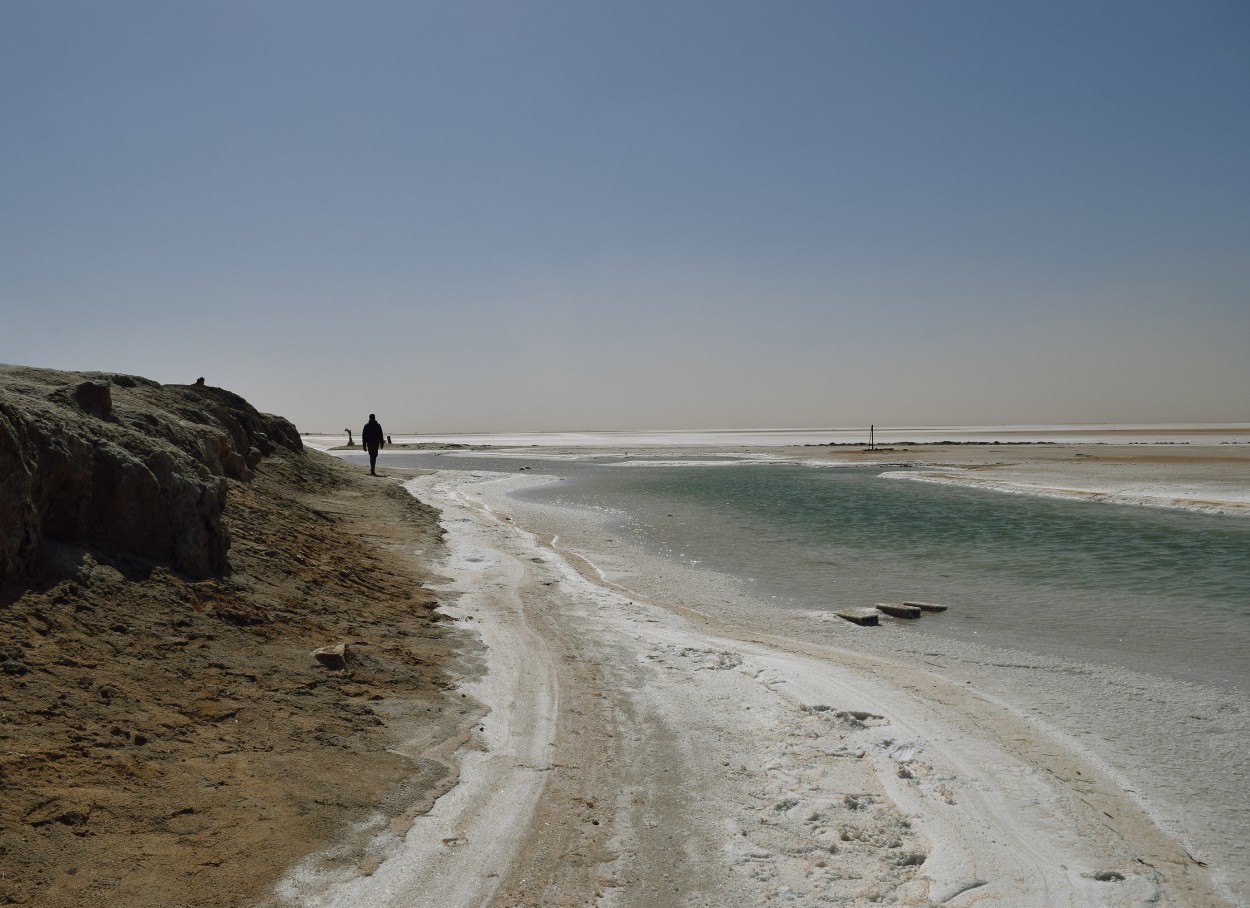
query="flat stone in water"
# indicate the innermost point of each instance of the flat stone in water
(898, 610)
(865, 616)
(927, 606)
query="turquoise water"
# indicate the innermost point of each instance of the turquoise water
(1166, 592)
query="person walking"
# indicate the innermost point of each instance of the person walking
(372, 438)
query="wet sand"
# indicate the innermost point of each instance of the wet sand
(649, 740)
(169, 742)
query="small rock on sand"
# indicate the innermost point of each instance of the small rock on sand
(333, 656)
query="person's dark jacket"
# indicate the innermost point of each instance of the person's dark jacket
(371, 435)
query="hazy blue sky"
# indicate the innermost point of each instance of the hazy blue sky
(559, 215)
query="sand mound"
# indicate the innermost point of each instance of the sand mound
(166, 735)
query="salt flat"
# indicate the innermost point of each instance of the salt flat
(645, 751)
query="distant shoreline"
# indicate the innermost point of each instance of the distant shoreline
(1209, 478)
(1198, 434)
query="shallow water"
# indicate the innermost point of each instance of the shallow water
(1166, 592)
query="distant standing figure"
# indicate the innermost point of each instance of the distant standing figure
(372, 438)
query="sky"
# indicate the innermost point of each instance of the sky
(526, 216)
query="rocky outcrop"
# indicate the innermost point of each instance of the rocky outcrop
(124, 464)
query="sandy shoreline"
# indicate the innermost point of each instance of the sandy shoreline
(696, 756)
(170, 559)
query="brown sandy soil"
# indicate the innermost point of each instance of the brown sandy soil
(166, 742)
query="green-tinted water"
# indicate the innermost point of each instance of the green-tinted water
(1159, 590)
(1163, 591)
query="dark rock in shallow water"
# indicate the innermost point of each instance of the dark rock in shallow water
(898, 610)
(865, 616)
(124, 464)
(927, 606)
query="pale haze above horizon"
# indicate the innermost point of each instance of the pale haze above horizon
(528, 216)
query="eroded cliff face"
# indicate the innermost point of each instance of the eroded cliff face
(124, 464)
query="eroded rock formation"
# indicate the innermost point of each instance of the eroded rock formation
(124, 464)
